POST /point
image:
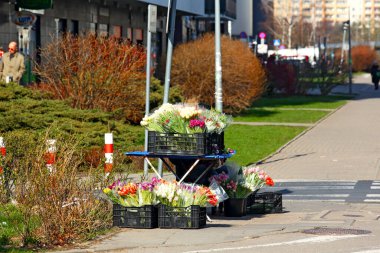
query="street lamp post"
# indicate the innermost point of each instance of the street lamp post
(218, 60)
(347, 25)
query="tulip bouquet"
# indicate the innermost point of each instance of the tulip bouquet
(240, 182)
(185, 119)
(131, 194)
(156, 191)
(184, 195)
(235, 188)
(255, 178)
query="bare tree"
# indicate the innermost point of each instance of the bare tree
(280, 25)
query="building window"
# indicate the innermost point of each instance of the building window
(117, 31)
(93, 29)
(139, 36)
(62, 25)
(74, 27)
(103, 30)
(129, 34)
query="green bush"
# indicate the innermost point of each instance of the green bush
(25, 109)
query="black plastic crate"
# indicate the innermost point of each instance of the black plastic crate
(251, 198)
(181, 217)
(185, 144)
(135, 217)
(266, 202)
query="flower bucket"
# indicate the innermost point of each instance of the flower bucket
(235, 207)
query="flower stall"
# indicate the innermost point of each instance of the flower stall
(190, 136)
(189, 140)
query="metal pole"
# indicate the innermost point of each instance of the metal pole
(349, 59)
(218, 60)
(169, 53)
(343, 45)
(172, 6)
(147, 83)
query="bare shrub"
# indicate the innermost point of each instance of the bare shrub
(194, 71)
(362, 57)
(95, 72)
(58, 207)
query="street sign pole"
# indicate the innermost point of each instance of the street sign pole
(170, 26)
(152, 21)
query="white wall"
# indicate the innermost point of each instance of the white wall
(244, 18)
(192, 6)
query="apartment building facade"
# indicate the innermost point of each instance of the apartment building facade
(324, 14)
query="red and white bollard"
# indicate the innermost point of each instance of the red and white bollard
(3, 152)
(108, 153)
(50, 154)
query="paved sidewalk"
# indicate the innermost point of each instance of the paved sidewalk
(344, 146)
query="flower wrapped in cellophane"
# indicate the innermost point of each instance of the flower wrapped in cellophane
(255, 178)
(184, 195)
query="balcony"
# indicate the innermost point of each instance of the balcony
(227, 9)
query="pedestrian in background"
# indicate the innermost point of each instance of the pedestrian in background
(12, 65)
(375, 75)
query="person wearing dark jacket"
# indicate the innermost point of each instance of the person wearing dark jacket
(375, 75)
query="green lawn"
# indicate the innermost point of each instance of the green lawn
(321, 102)
(275, 115)
(253, 143)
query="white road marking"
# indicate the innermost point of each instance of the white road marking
(368, 251)
(320, 195)
(309, 240)
(372, 200)
(373, 195)
(320, 187)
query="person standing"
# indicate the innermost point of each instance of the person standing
(12, 65)
(375, 75)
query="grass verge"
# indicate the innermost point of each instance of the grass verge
(275, 115)
(253, 143)
(320, 102)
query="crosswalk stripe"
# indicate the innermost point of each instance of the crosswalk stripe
(322, 187)
(339, 191)
(320, 195)
(372, 200)
(373, 195)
